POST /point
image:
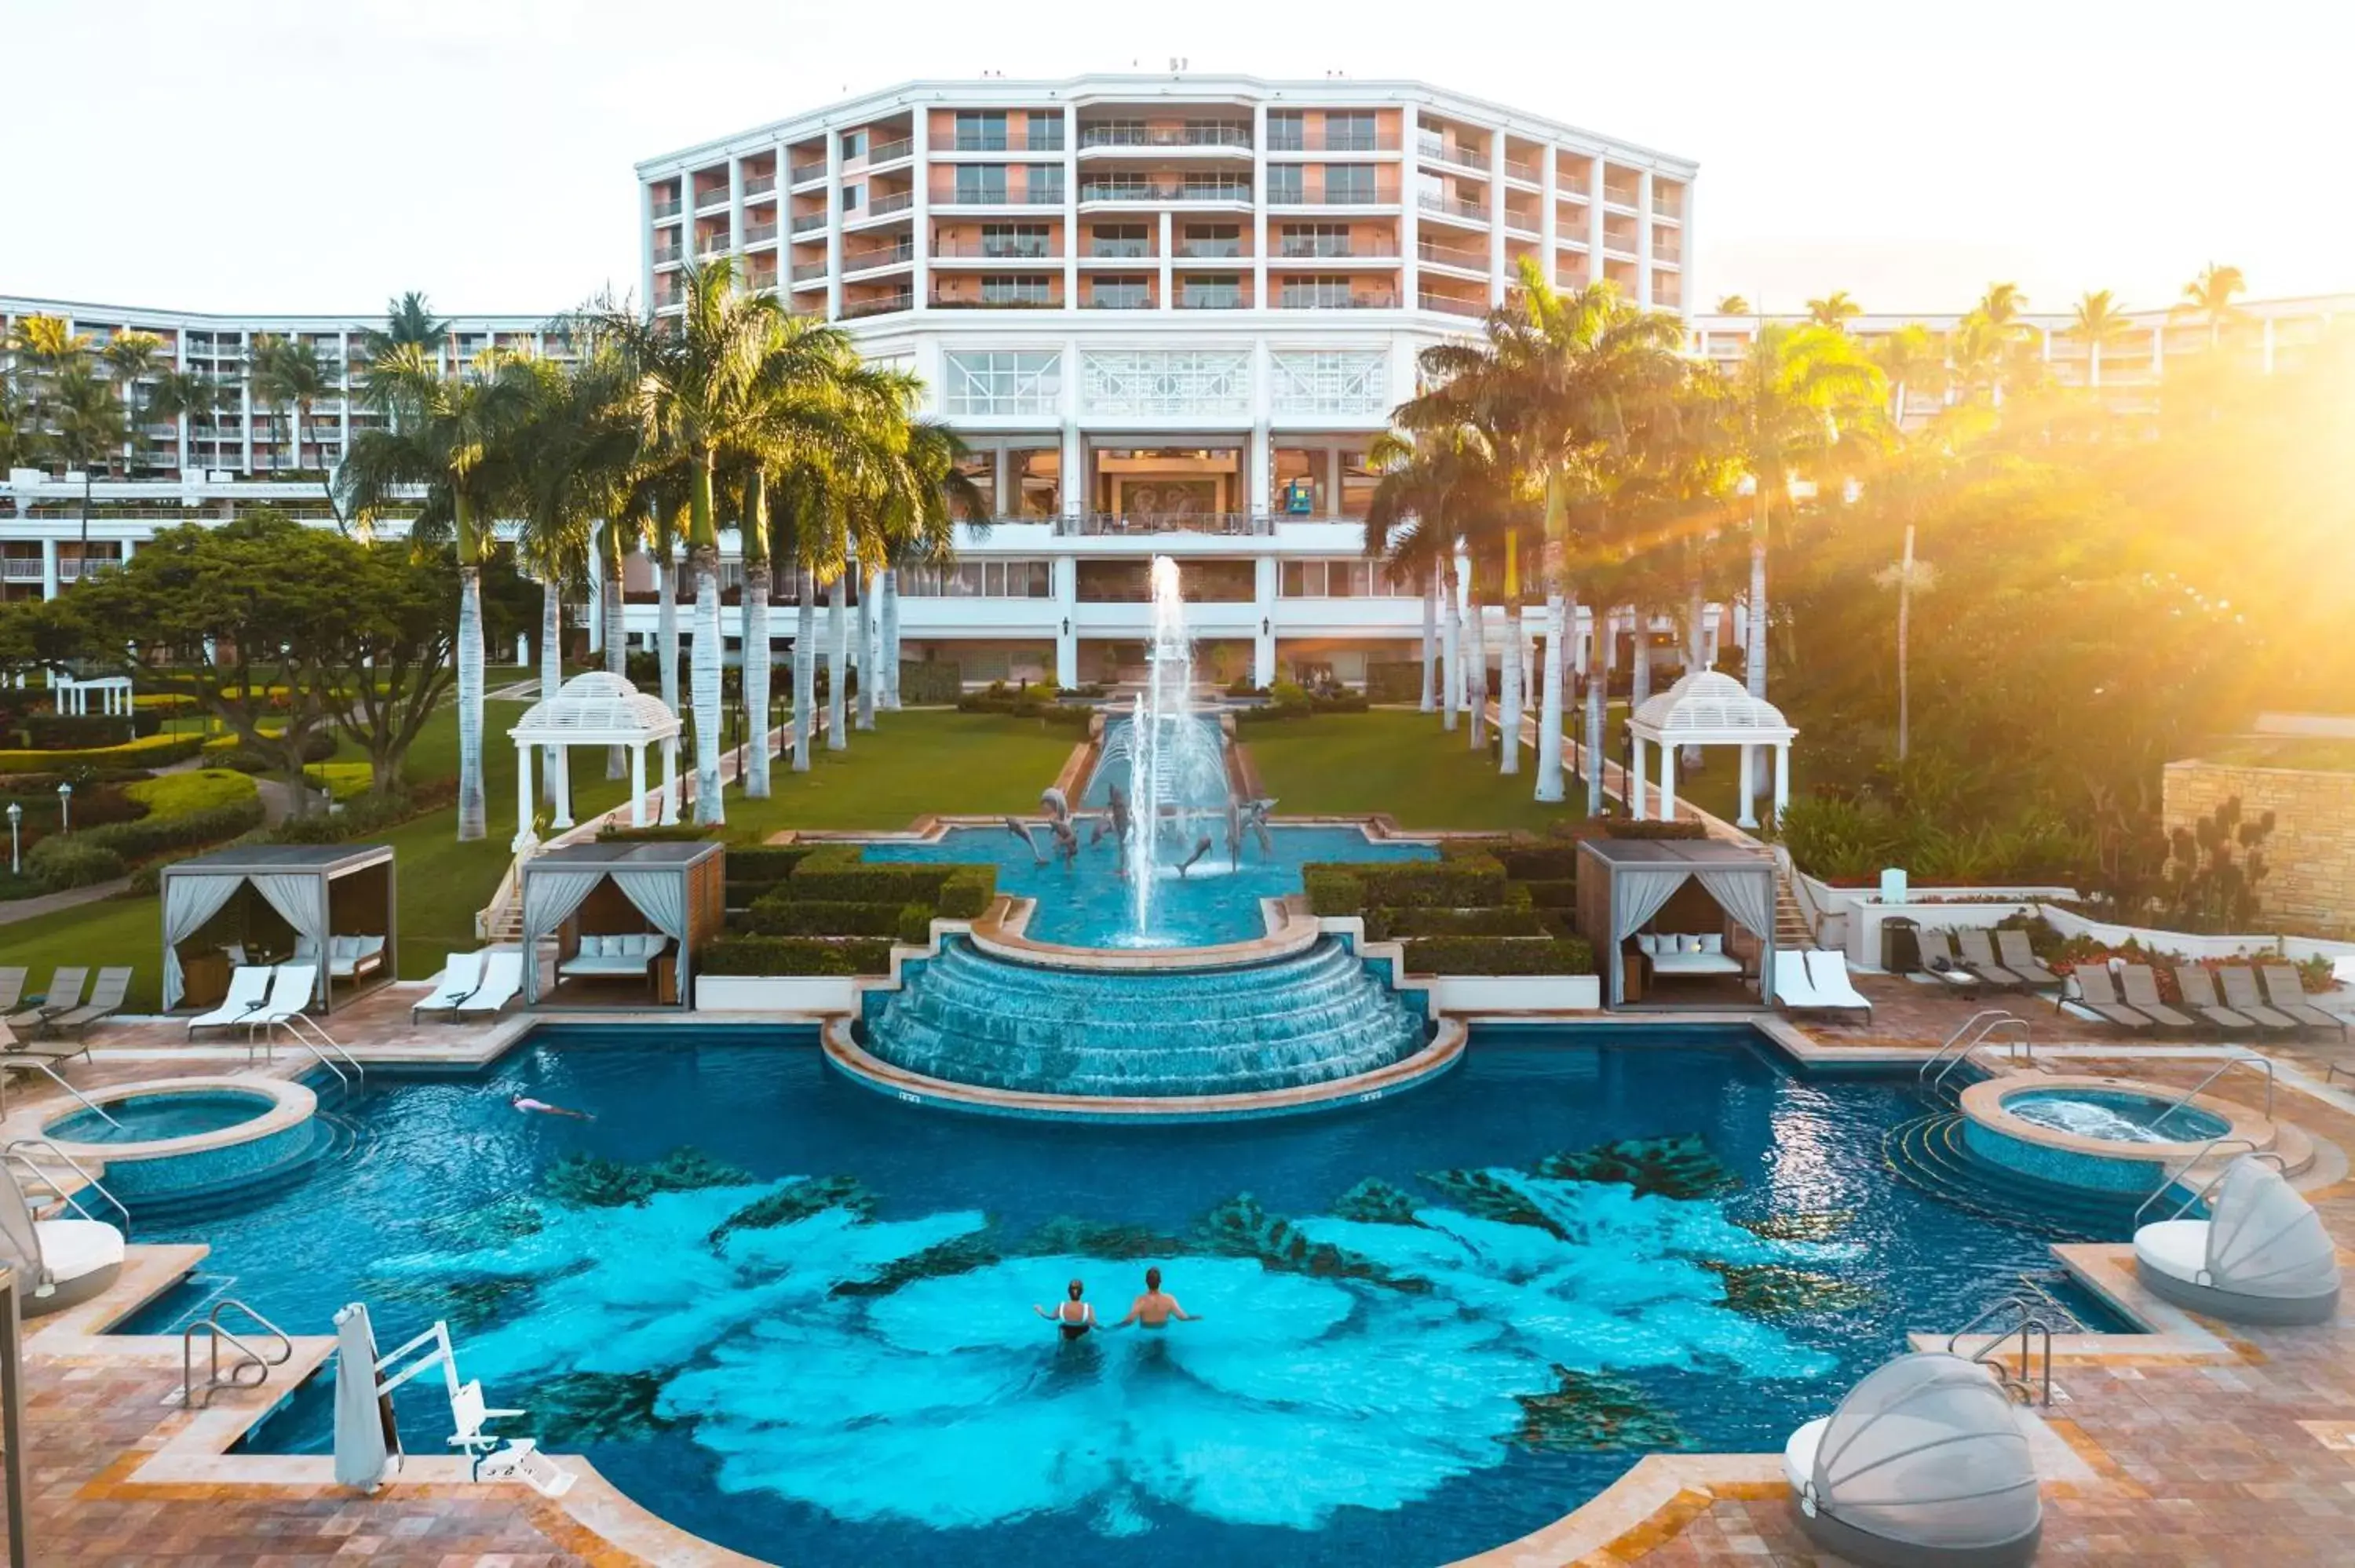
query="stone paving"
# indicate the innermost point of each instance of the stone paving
(2243, 1456)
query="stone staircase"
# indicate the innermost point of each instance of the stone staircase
(1792, 932)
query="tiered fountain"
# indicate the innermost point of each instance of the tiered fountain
(1134, 1030)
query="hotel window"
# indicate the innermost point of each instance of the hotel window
(853, 145)
(1345, 579)
(1315, 293)
(980, 469)
(1117, 134)
(1037, 480)
(1043, 132)
(1121, 294)
(1316, 239)
(853, 196)
(1046, 184)
(1286, 132)
(1214, 187)
(1359, 483)
(1213, 240)
(978, 183)
(1018, 239)
(1219, 292)
(1014, 288)
(1119, 239)
(980, 579)
(1348, 133)
(980, 131)
(1003, 382)
(1349, 185)
(1283, 184)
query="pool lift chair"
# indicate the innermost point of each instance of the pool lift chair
(1924, 1465)
(368, 1434)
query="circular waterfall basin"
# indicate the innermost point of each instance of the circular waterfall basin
(2110, 1135)
(186, 1138)
(1254, 1030)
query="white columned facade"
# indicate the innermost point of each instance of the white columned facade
(919, 131)
(1643, 240)
(1781, 778)
(1595, 188)
(1263, 574)
(638, 785)
(833, 226)
(1635, 792)
(1748, 817)
(1667, 783)
(523, 838)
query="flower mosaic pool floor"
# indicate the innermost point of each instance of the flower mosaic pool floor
(795, 1317)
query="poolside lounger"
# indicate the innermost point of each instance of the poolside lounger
(2241, 995)
(1938, 959)
(291, 986)
(2020, 957)
(2198, 988)
(1793, 988)
(2288, 994)
(1827, 969)
(502, 978)
(64, 995)
(2095, 995)
(461, 977)
(12, 989)
(249, 988)
(2141, 987)
(105, 1000)
(1978, 957)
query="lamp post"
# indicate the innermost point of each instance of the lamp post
(64, 808)
(15, 815)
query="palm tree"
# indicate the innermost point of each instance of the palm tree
(1785, 403)
(445, 436)
(86, 427)
(409, 322)
(43, 346)
(185, 394)
(1908, 357)
(1414, 523)
(1733, 306)
(2098, 323)
(1835, 310)
(2211, 295)
(2001, 306)
(1975, 357)
(287, 373)
(942, 493)
(134, 356)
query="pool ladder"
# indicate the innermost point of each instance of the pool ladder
(2221, 1141)
(1979, 1028)
(249, 1369)
(2249, 1059)
(25, 1157)
(2032, 1327)
(314, 1043)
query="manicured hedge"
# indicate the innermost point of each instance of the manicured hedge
(1535, 860)
(1552, 895)
(154, 751)
(777, 917)
(169, 795)
(154, 834)
(82, 732)
(765, 863)
(794, 955)
(816, 880)
(1333, 892)
(1633, 828)
(1069, 715)
(1391, 681)
(931, 682)
(1499, 955)
(76, 861)
(678, 832)
(967, 892)
(1459, 883)
(341, 780)
(1384, 925)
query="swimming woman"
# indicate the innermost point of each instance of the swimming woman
(1072, 1317)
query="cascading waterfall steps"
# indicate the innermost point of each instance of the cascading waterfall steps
(976, 1030)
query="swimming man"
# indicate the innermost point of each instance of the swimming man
(530, 1106)
(1156, 1307)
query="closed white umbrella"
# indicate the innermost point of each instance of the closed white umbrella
(20, 1242)
(368, 1443)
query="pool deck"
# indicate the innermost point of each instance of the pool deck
(2198, 1443)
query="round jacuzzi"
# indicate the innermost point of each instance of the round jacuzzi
(2107, 1135)
(169, 1139)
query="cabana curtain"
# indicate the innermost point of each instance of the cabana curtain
(300, 898)
(188, 903)
(661, 897)
(1744, 895)
(1642, 892)
(549, 897)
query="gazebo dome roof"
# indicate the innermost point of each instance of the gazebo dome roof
(1709, 706)
(596, 709)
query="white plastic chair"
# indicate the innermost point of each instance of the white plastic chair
(1793, 989)
(461, 977)
(502, 978)
(249, 988)
(1828, 970)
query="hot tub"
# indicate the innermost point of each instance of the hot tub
(2107, 1135)
(176, 1138)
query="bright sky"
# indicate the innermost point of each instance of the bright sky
(323, 155)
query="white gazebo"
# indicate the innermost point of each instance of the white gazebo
(72, 695)
(1709, 708)
(597, 709)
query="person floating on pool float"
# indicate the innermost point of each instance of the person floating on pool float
(1202, 848)
(1072, 1317)
(530, 1106)
(1156, 1307)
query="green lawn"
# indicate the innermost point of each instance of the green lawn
(1353, 765)
(910, 763)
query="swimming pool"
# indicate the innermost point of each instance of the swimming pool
(1429, 1326)
(1086, 905)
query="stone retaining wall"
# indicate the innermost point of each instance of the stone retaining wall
(2311, 852)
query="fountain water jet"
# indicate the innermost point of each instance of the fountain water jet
(1175, 765)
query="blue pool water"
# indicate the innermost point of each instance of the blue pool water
(1429, 1326)
(1193, 767)
(154, 1118)
(1087, 905)
(2116, 1116)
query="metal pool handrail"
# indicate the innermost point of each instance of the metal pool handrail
(59, 1079)
(2031, 1324)
(2221, 1140)
(2230, 1062)
(250, 1359)
(1976, 1031)
(323, 1038)
(16, 1156)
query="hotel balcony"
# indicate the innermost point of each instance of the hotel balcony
(997, 195)
(666, 210)
(1050, 299)
(1318, 139)
(1115, 140)
(1043, 138)
(1184, 250)
(880, 208)
(1301, 297)
(1433, 148)
(759, 184)
(756, 233)
(1327, 248)
(802, 174)
(807, 272)
(1615, 194)
(1431, 253)
(1127, 294)
(1455, 209)
(877, 258)
(881, 153)
(1116, 522)
(807, 222)
(1195, 296)
(716, 196)
(879, 305)
(712, 244)
(1378, 195)
(1006, 247)
(669, 255)
(1452, 304)
(1134, 193)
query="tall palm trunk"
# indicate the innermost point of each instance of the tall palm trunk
(704, 668)
(838, 626)
(866, 659)
(472, 822)
(1639, 672)
(1451, 661)
(1905, 632)
(1476, 667)
(617, 654)
(1695, 650)
(1598, 687)
(887, 665)
(1549, 675)
(1509, 756)
(805, 663)
(756, 677)
(551, 675)
(1430, 642)
(667, 628)
(1754, 659)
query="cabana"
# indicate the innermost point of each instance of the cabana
(1694, 898)
(595, 709)
(1708, 708)
(622, 910)
(332, 905)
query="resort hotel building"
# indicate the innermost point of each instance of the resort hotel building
(1166, 314)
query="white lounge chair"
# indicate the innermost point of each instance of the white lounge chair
(502, 978)
(461, 977)
(2262, 1256)
(1792, 988)
(59, 1262)
(249, 988)
(291, 986)
(1827, 968)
